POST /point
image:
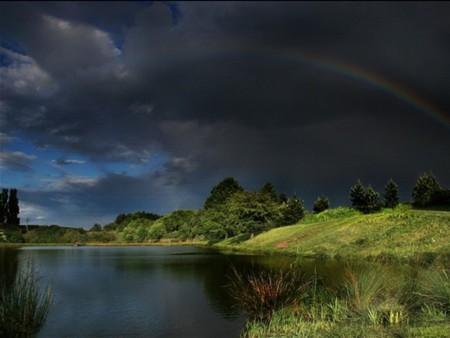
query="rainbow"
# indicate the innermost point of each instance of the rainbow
(360, 75)
(383, 84)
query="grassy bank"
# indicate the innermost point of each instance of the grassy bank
(392, 234)
(376, 300)
(386, 301)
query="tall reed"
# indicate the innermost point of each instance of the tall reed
(260, 292)
(24, 306)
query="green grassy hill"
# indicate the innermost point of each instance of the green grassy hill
(401, 233)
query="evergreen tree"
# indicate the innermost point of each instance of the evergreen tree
(425, 188)
(391, 199)
(292, 211)
(221, 192)
(372, 200)
(269, 190)
(321, 204)
(3, 206)
(13, 209)
(357, 196)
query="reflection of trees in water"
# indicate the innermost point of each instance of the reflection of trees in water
(9, 264)
(209, 268)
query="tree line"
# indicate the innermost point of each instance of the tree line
(231, 211)
(427, 192)
(228, 211)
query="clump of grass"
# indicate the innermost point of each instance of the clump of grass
(434, 290)
(364, 289)
(23, 306)
(260, 292)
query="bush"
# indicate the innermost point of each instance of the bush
(261, 292)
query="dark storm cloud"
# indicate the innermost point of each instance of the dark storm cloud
(231, 88)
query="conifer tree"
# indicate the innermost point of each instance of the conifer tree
(391, 199)
(357, 196)
(372, 200)
(321, 204)
(424, 190)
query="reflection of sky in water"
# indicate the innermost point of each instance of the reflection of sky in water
(136, 292)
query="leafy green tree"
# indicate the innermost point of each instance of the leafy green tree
(3, 206)
(426, 186)
(357, 196)
(96, 227)
(372, 200)
(292, 211)
(321, 204)
(221, 192)
(252, 213)
(13, 208)
(391, 199)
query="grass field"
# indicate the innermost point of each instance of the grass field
(400, 233)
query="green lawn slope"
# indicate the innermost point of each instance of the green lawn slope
(400, 233)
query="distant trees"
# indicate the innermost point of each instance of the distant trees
(292, 211)
(96, 227)
(321, 204)
(3, 206)
(9, 208)
(390, 195)
(221, 192)
(424, 189)
(428, 192)
(364, 199)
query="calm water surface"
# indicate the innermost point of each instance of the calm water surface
(139, 291)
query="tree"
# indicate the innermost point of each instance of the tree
(96, 227)
(321, 204)
(364, 199)
(292, 211)
(221, 192)
(372, 200)
(391, 199)
(425, 188)
(251, 212)
(3, 206)
(269, 190)
(13, 209)
(357, 195)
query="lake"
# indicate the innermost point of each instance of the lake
(154, 291)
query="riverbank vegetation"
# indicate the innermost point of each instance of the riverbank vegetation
(371, 301)
(266, 221)
(23, 305)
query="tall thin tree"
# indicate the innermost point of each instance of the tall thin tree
(3, 206)
(13, 208)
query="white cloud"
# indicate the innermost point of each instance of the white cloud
(23, 76)
(69, 183)
(79, 46)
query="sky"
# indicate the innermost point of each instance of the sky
(117, 107)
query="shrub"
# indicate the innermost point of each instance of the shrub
(261, 292)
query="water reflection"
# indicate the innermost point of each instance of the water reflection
(147, 291)
(9, 264)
